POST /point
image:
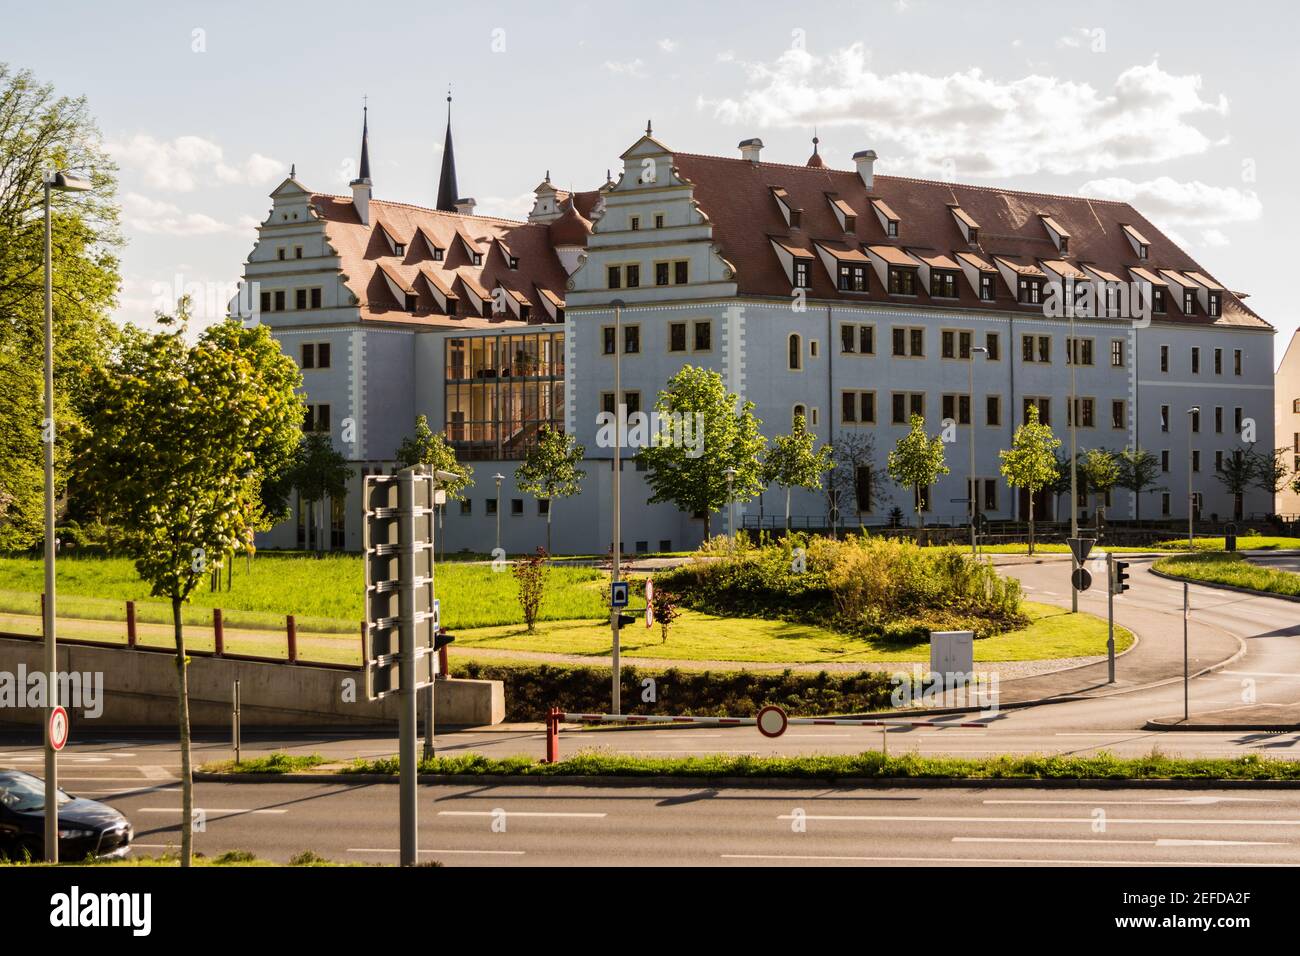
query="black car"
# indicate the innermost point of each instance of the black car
(87, 828)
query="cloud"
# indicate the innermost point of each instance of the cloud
(185, 163)
(1180, 203)
(634, 67)
(985, 127)
(1076, 38)
(157, 217)
(668, 45)
(507, 207)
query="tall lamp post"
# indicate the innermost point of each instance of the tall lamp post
(616, 549)
(498, 478)
(731, 512)
(64, 182)
(1072, 355)
(970, 484)
(1193, 415)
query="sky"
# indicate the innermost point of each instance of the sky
(1182, 110)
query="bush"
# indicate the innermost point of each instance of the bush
(876, 587)
(530, 573)
(532, 690)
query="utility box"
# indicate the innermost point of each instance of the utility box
(952, 652)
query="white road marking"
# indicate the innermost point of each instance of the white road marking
(983, 860)
(207, 810)
(1172, 821)
(1096, 842)
(517, 813)
(1185, 801)
(1262, 674)
(353, 849)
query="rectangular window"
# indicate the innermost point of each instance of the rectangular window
(1196, 360)
(957, 408)
(867, 339)
(1164, 460)
(607, 403)
(907, 404)
(308, 356)
(848, 339)
(1164, 503)
(491, 504)
(852, 278)
(802, 274)
(1215, 302)
(991, 343)
(1218, 361)
(315, 298)
(916, 342)
(703, 336)
(1164, 418)
(900, 341)
(1189, 302)
(1196, 459)
(848, 407)
(634, 223)
(1044, 406)
(323, 355)
(1236, 361)
(986, 287)
(1117, 416)
(633, 276)
(1116, 353)
(1218, 419)
(279, 301)
(677, 336)
(1237, 419)
(902, 281)
(610, 342)
(516, 506)
(993, 410)
(300, 299)
(1086, 408)
(659, 224)
(661, 273)
(1164, 358)
(681, 272)
(615, 274)
(862, 487)
(631, 339)
(1078, 351)
(466, 506)
(1196, 421)
(1031, 291)
(943, 284)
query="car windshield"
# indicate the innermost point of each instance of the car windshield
(24, 793)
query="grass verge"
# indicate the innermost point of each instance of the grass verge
(1233, 570)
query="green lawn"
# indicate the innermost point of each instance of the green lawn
(1244, 543)
(1052, 633)
(1231, 569)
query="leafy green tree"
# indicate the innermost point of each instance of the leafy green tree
(318, 472)
(1031, 463)
(1272, 469)
(791, 462)
(1237, 473)
(1099, 472)
(428, 447)
(1139, 470)
(917, 461)
(551, 471)
(1060, 483)
(689, 467)
(171, 455)
(38, 131)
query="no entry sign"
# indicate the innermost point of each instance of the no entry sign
(772, 721)
(58, 728)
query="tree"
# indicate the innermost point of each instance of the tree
(704, 430)
(791, 462)
(40, 131)
(318, 472)
(1138, 472)
(664, 605)
(551, 471)
(1271, 470)
(1099, 472)
(1059, 484)
(171, 455)
(530, 575)
(430, 448)
(1031, 463)
(850, 452)
(917, 461)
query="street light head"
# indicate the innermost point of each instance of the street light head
(498, 477)
(68, 182)
(979, 348)
(1194, 410)
(618, 304)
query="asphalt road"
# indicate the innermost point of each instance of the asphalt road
(657, 826)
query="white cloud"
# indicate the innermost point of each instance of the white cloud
(184, 163)
(982, 126)
(634, 67)
(668, 45)
(1180, 203)
(1074, 39)
(157, 217)
(507, 207)
(1214, 239)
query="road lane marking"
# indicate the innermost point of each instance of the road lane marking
(384, 849)
(1096, 842)
(1262, 674)
(517, 813)
(982, 860)
(1166, 801)
(1171, 821)
(208, 810)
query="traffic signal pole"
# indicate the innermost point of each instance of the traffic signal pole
(1110, 618)
(406, 731)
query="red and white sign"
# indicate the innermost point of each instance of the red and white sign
(58, 728)
(772, 721)
(649, 598)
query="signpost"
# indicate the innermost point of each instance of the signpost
(402, 617)
(649, 603)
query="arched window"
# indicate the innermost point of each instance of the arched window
(799, 412)
(796, 352)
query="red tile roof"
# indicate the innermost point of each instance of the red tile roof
(366, 258)
(735, 195)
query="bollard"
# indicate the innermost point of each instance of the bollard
(218, 633)
(130, 624)
(293, 639)
(43, 634)
(234, 722)
(553, 735)
(444, 668)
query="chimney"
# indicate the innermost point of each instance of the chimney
(361, 199)
(865, 160)
(750, 148)
(466, 206)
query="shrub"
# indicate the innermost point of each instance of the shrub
(530, 574)
(664, 605)
(531, 690)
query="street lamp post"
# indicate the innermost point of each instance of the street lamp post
(64, 182)
(616, 665)
(498, 478)
(1072, 354)
(1192, 414)
(731, 512)
(970, 484)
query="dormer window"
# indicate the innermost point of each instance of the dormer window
(1215, 304)
(852, 278)
(1143, 251)
(796, 218)
(891, 228)
(902, 281)
(514, 262)
(987, 288)
(1189, 302)
(888, 218)
(975, 235)
(399, 249)
(1158, 300)
(411, 302)
(1065, 245)
(803, 273)
(1138, 241)
(478, 258)
(1031, 291)
(1057, 234)
(437, 255)
(943, 284)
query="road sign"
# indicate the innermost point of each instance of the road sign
(1080, 548)
(772, 721)
(1081, 578)
(59, 727)
(618, 594)
(649, 603)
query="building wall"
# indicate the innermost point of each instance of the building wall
(1286, 422)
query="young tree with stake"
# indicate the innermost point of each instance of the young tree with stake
(917, 462)
(1139, 470)
(551, 471)
(1031, 461)
(791, 462)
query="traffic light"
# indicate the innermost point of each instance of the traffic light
(1119, 585)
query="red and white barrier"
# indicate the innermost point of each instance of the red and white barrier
(771, 721)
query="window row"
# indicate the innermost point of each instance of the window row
(858, 407)
(1194, 414)
(628, 275)
(1194, 360)
(302, 299)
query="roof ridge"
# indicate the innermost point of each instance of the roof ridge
(440, 212)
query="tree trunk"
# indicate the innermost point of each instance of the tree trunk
(707, 524)
(549, 505)
(787, 511)
(183, 710)
(1031, 521)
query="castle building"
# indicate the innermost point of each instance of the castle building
(849, 298)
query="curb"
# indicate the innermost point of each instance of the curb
(1222, 728)
(786, 783)
(1225, 587)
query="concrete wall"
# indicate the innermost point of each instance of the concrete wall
(139, 690)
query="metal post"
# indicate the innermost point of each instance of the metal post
(616, 550)
(1071, 355)
(234, 720)
(1186, 614)
(406, 666)
(130, 624)
(971, 495)
(51, 656)
(1110, 617)
(498, 477)
(218, 633)
(427, 696)
(291, 632)
(1191, 496)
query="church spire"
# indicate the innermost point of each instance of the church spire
(447, 191)
(363, 173)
